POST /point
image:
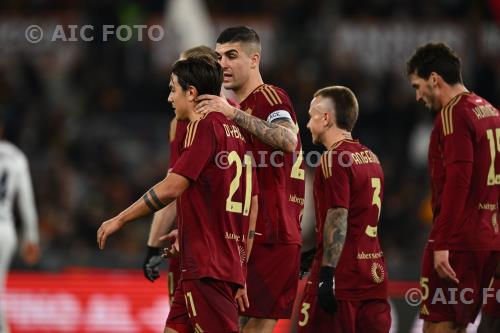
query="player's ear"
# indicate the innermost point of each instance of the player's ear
(255, 60)
(192, 93)
(434, 78)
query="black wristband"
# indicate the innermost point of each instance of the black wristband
(326, 273)
(153, 251)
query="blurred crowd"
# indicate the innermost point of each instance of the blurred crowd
(95, 127)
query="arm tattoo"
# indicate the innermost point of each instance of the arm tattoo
(157, 205)
(280, 134)
(251, 234)
(334, 234)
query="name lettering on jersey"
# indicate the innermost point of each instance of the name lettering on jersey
(295, 199)
(364, 157)
(233, 131)
(370, 255)
(488, 206)
(485, 111)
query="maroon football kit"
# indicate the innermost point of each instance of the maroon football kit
(212, 217)
(463, 165)
(350, 176)
(273, 268)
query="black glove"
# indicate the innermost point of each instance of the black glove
(326, 289)
(306, 259)
(151, 265)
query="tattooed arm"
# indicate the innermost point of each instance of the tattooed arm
(280, 134)
(155, 199)
(334, 234)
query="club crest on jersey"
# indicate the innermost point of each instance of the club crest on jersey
(377, 272)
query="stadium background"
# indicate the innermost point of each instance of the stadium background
(93, 119)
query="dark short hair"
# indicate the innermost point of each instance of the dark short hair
(238, 34)
(198, 51)
(345, 104)
(203, 73)
(435, 57)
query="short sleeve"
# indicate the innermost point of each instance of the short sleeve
(458, 141)
(198, 150)
(337, 180)
(276, 105)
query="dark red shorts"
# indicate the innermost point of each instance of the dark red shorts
(443, 300)
(272, 280)
(204, 305)
(174, 275)
(367, 316)
(312, 318)
(492, 302)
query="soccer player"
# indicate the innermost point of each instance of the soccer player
(213, 230)
(15, 186)
(460, 257)
(267, 114)
(347, 288)
(164, 219)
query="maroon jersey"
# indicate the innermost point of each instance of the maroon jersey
(213, 213)
(466, 130)
(280, 175)
(177, 134)
(350, 176)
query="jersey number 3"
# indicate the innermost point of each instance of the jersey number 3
(371, 231)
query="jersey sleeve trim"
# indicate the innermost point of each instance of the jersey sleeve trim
(270, 94)
(325, 165)
(447, 117)
(191, 132)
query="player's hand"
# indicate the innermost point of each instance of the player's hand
(212, 103)
(173, 249)
(306, 259)
(242, 299)
(151, 265)
(30, 252)
(106, 229)
(442, 266)
(326, 289)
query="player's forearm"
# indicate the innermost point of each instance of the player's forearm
(334, 235)
(162, 222)
(453, 198)
(159, 196)
(252, 223)
(272, 134)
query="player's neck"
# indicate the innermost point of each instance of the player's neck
(252, 83)
(451, 92)
(333, 137)
(193, 116)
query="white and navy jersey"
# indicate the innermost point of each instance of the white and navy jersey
(15, 185)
